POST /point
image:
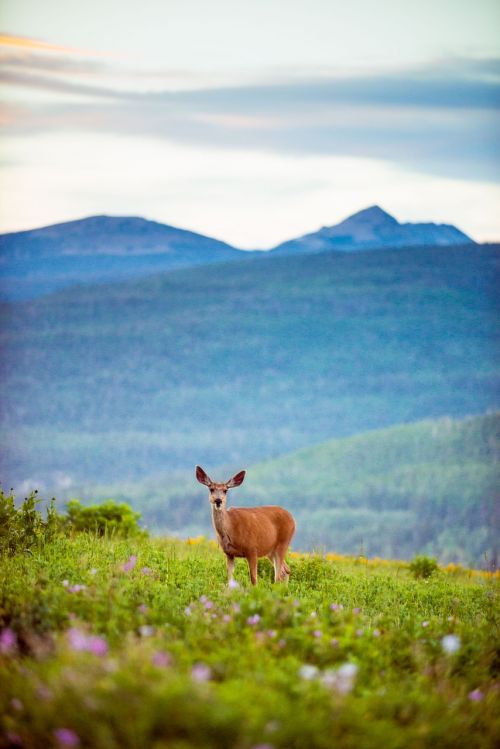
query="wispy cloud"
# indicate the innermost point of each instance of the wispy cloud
(442, 118)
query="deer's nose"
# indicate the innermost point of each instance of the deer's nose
(218, 502)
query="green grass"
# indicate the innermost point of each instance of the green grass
(192, 663)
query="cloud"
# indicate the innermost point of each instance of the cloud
(441, 119)
(28, 43)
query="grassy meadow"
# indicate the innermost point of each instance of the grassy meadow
(126, 642)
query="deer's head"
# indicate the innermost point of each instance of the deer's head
(217, 493)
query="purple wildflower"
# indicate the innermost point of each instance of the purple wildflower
(271, 633)
(161, 659)
(8, 641)
(77, 639)
(66, 737)
(233, 584)
(356, 611)
(201, 672)
(476, 695)
(236, 608)
(208, 605)
(143, 609)
(146, 571)
(226, 618)
(255, 619)
(97, 646)
(146, 630)
(187, 611)
(130, 563)
(76, 588)
(317, 633)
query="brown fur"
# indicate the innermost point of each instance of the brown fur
(249, 532)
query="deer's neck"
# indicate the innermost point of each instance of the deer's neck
(222, 525)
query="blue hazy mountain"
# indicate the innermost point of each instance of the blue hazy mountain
(108, 249)
(98, 249)
(374, 229)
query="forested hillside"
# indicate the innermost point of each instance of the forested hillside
(234, 363)
(430, 487)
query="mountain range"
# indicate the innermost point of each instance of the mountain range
(102, 249)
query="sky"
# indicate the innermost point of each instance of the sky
(251, 121)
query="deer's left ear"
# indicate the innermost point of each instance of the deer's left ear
(236, 480)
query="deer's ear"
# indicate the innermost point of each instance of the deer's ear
(202, 476)
(236, 480)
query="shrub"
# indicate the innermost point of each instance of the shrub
(22, 528)
(422, 566)
(108, 517)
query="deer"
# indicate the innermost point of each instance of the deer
(249, 532)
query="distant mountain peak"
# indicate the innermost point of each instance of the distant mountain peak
(373, 228)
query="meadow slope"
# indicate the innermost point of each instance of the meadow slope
(122, 644)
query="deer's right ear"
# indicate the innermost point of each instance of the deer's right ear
(202, 476)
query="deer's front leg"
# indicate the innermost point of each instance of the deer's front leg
(230, 567)
(252, 566)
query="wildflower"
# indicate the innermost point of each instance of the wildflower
(146, 630)
(476, 695)
(208, 605)
(425, 624)
(201, 672)
(187, 611)
(93, 571)
(317, 633)
(77, 639)
(313, 615)
(255, 619)
(146, 571)
(450, 644)
(65, 583)
(236, 608)
(161, 659)
(334, 642)
(233, 584)
(8, 641)
(271, 633)
(359, 633)
(66, 737)
(263, 746)
(345, 678)
(14, 739)
(376, 633)
(336, 606)
(281, 643)
(97, 646)
(356, 611)
(130, 563)
(308, 672)
(226, 618)
(76, 588)
(203, 599)
(296, 603)
(16, 704)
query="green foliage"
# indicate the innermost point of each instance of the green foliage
(135, 642)
(23, 528)
(108, 517)
(423, 566)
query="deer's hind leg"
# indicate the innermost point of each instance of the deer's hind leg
(281, 569)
